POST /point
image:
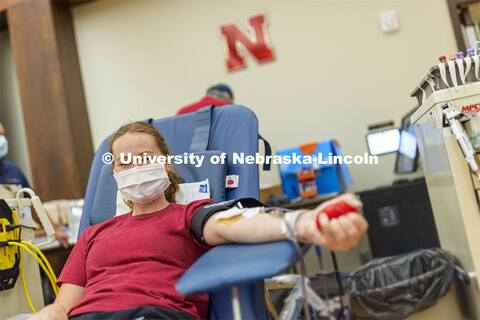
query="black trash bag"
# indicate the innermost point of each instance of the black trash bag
(396, 287)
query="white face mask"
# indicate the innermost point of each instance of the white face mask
(143, 184)
(3, 146)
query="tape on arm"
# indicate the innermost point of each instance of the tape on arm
(205, 212)
(289, 223)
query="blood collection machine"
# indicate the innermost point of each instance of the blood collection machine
(447, 126)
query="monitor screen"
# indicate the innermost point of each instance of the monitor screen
(408, 144)
(383, 141)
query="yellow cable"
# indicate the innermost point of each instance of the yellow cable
(15, 220)
(55, 288)
(45, 260)
(25, 285)
(47, 269)
(17, 235)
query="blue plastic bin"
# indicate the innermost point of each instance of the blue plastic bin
(330, 177)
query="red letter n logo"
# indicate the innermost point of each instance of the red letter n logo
(256, 41)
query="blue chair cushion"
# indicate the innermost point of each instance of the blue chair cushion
(232, 264)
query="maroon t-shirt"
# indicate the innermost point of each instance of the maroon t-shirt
(132, 261)
(206, 101)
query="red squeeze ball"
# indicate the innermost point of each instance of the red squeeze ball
(334, 211)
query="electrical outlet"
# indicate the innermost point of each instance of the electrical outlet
(389, 21)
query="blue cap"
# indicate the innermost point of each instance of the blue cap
(222, 87)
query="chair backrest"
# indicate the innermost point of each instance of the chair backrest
(231, 129)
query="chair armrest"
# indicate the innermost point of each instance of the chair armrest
(227, 265)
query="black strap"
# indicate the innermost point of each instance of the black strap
(268, 152)
(205, 212)
(201, 132)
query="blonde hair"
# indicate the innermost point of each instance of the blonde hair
(160, 141)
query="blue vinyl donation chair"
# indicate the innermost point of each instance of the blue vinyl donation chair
(233, 274)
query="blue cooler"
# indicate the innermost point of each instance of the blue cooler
(330, 177)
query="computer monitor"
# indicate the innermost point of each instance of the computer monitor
(383, 142)
(407, 155)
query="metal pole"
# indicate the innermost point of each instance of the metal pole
(237, 314)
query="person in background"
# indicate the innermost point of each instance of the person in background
(217, 95)
(10, 173)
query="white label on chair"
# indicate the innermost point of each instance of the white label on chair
(231, 181)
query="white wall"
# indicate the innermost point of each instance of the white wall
(334, 73)
(11, 115)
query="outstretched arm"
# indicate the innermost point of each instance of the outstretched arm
(336, 234)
